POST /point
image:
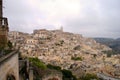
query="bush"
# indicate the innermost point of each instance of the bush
(38, 63)
(53, 67)
(8, 51)
(10, 45)
(77, 58)
(110, 53)
(90, 77)
(68, 75)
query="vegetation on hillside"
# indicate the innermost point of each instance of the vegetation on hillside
(110, 53)
(112, 43)
(40, 66)
(67, 74)
(89, 76)
(77, 58)
(36, 62)
(10, 45)
(4, 50)
(54, 67)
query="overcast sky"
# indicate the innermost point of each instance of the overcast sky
(91, 18)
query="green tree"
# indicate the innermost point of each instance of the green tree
(10, 45)
(68, 75)
(89, 76)
(53, 67)
(38, 63)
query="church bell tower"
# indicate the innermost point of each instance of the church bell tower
(3, 28)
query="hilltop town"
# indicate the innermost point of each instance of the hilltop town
(68, 50)
(54, 55)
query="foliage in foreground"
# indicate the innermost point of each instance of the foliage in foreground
(38, 63)
(67, 74)
(10, 45)
(54, 67)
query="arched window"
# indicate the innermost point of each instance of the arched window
(10, 77)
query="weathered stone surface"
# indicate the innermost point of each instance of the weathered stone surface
(9, 66)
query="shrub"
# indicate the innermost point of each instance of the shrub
(89, 76)
(10, 44)
(53, 67)
(38, 63)
(68, 75)
(77, 58)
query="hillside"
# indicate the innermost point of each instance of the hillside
(112, 43)
(70, 51)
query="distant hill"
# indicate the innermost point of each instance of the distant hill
(118, 39)
(104, 40)
(112, 43)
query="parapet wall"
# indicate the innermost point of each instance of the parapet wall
(9, 66)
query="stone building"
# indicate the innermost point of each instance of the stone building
(42, 34)
(14, 34)
(31, 41)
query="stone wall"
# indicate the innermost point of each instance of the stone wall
(9, 66)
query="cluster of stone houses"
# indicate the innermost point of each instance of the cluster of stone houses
(57, 47)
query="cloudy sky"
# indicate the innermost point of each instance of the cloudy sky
(91, 18)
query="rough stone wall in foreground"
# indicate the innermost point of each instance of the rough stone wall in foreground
(9, 66)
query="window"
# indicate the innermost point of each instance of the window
(10, 77)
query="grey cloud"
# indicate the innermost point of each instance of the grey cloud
(101, 17)
(104, 23)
